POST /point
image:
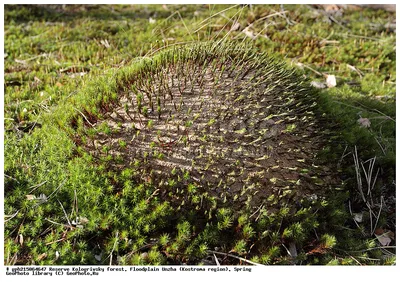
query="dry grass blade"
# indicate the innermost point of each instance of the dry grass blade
(386, 116)
(65, 225)
(59, 186)
(254, 213)
(236, 257)
(11, 178)
(152, 52)
(355, 221)
(377, 219)
(368, 175)
(183, 22)
(216, 260)
(11, 216)
(34, 187)
(230, 30)
(91, 124)
(114, 246)
(75, 205)
(210, 17)
(66, 216)
(358, 174)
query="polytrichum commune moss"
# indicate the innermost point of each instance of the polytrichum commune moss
(235, 123)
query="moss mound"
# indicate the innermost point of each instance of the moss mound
(223, 134)
(221, 119)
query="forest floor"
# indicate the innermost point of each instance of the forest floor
(63, 207)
